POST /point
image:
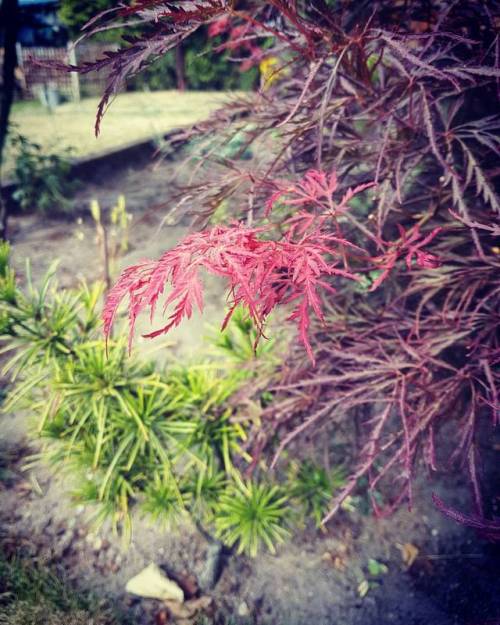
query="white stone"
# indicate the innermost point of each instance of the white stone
(152, 583)
(243, 609)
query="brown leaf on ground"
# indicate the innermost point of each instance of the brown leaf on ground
(179, 610)
(188, 583)
(409, 553)
(202, 604)
(337, 560)
(162, 617)
(187, 610)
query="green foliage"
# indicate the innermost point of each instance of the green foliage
(252, 514)
(128, 434)
(31, 594)
(8, 289)
(204, 489)
(376, 568)
(41, 324)
(74, 14)
(206, 69)
(238, 344)
(158, 76)
(163, 501)
(109, 426)
(313, 487)
(43, 179)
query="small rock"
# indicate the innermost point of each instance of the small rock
(243, 609)
(152, 583)
(97, 544)
(213, 566)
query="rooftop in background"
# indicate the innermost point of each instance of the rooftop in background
(27, 3)
(40, 24)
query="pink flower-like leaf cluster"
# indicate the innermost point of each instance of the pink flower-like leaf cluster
(316, 188)
(261, 273)
(410, 247)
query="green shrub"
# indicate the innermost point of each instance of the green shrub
(42, 324)
(313, 485)
(207, 70)
(43, 180)
(31, 594)
(252, 514)
(170, 442)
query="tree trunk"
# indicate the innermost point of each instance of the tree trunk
(9, 12)
(179, 68)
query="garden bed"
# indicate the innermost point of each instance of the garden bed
(317, 578)
(412, 568)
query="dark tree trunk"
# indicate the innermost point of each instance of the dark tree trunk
(9, 12)
(179, 68)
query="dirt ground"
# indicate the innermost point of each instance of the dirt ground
(154, 228)
(315, 578)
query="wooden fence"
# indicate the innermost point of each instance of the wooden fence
(32, 77)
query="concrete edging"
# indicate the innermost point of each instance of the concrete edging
(96, 165)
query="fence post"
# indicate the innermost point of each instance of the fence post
(21, 76)
(75, 78)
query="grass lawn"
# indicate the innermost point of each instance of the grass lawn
(132, 116)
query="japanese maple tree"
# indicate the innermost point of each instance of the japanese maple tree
(369, 209)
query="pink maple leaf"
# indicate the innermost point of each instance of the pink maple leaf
(410, 246)
(316, 188)
(260, 274)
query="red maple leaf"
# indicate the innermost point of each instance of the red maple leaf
(260, 274)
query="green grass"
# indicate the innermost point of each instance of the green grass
(131, 117)
(32, 594)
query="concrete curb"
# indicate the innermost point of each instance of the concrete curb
(95, 166)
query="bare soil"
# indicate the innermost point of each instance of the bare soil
(315, 578)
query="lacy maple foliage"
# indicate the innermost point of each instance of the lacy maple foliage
(405, 96)
(261, 272)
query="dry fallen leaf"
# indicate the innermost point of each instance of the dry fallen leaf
(409, 553)
(338, 561)
(162, 617)
(188, 609)
(179, 610)
(363, 588)
(202, 603)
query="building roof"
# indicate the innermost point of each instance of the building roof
(34, 3)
